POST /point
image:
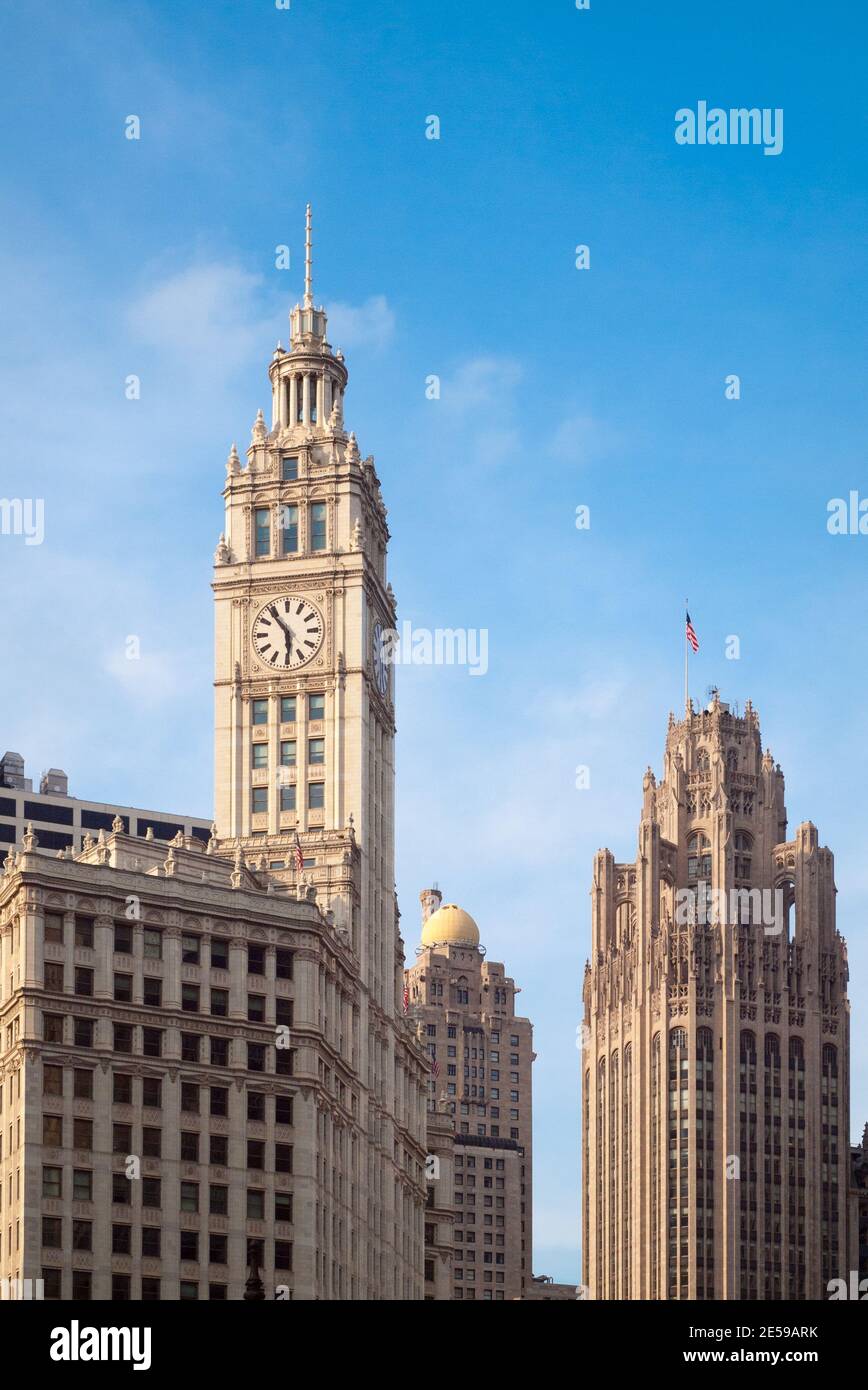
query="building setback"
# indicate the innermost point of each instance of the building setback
(716, 1069)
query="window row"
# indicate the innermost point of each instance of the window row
(287, 753)
(193, 1098)
(151, 1044)
(150, 1243)
(192, 946)
(287, 798)
(285, 523)
(289, 709)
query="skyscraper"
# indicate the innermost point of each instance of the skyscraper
(481, 1053)
(715, 1097)
(203, 1058)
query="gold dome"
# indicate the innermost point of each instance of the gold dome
(450, 925)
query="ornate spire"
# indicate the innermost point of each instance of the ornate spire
(308, 260)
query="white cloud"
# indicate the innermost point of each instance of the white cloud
(206, 308)
(580, 438)
(151, 679)
(482, 382)
(368, 325)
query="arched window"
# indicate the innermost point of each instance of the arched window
(698, 858)
(743, 852)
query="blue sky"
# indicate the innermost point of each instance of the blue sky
(559, 388)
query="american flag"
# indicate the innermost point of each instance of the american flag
(435, 1069)
(299, 857)
(406, 1000)
(691, 635)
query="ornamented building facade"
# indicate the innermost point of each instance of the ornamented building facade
(715, 1099)
(204, 1061)
(481, 1054)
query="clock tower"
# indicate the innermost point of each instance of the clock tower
(304, 726)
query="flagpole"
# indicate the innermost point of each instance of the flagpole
(686, 656)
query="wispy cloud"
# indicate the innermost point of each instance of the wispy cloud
(368, 325)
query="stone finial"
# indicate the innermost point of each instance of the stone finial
(149, 833)
(179, 839)
(29, 840)
(222, 555)
(356, 537)
(117, 825)
(259, 431)
(88, 842)
(233, 463)
(353, 449)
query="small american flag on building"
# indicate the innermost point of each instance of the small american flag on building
(406, 1000)
(435, 1068)
(691, 635)
(299, 857)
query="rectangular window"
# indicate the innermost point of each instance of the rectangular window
(189, 1047)
(315, 707)
(152, 1092)
(287, 752)
(259, 755)
(82, 1185)
(255, 1057)
(316, 796)
(82, 1084)
(120, 1190)
(283, 1206)
(53, 975)
(217, 1249)
(122, 1288)
(260, 711)
(152, 1195)
(52, 1184)
(316, 750)
(259, 800)
(190, 999)
(151, 1242)
(52, 1027)
(52, 1080)
(122, 1240)
(122, 1088)
(262, 528)
(152, 944)
(289, 529)
(83, 981)
(84, 931)
(219, 1100)
(220, 1052)
(287, 709)
(318, 526)
(283, 1110)
(189, 1196)
(190, 1097)
(283, 1254)
(219, 953)
(220, 1003)
(152, 1042)
(82, 1133)
(152, 992)
(218, 1151)
(83, 1032)
(289, 468)
(255, 1204)
(123, 939)
(189, 949)
(255, 1105)
(283, 1158)
(189, 1146)
(256, 1008)
(218, 1200)
(54, 927)
(123, 989)
(82, 1235)
(283, 964)
(287, 798)
(122, 1139)
(256, 960)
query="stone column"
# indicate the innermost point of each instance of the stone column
(305, 398)
(238, 979)
(103, 942)
(293, 400)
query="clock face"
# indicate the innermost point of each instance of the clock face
(381, 672)
(288, 632)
